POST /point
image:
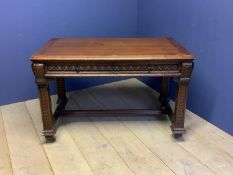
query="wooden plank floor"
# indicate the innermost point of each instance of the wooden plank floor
(121, 145)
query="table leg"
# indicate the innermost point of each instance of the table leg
(181, 96)
(62, 99)
(45, 102)
(163, 98)
(61, 89)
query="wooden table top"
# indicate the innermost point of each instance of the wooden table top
(111, 49)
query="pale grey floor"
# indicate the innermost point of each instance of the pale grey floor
(110, 145)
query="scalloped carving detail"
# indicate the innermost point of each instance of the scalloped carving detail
(115, 68)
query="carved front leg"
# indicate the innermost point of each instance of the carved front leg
(45, 101)
(181, 96)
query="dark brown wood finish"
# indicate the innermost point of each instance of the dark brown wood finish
(62, 99)
(160, 57)
(181, 96)
(114, 112)
(45, 101)
(163, 98)
(111, 49)
(61, 89)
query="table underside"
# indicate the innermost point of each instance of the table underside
(46, 71)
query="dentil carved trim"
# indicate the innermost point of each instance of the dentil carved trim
(99, 68)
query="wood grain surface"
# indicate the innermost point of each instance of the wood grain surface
(112, 49)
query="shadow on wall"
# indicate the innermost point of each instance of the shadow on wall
(85, 82)
(206, 29)
(196, 93)
(202, 97)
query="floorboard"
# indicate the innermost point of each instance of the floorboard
(160, 144)
(64, 151)
(140, 159)
(121, 145)
(25, 148)
(202, 147)
(96, 149)
(206, 142)
(5, 162)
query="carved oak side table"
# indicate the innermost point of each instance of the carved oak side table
(155, 57)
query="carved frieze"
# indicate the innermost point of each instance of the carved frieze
(115, 68)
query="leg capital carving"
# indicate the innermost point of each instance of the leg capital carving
(39, 72)
(186, 72)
